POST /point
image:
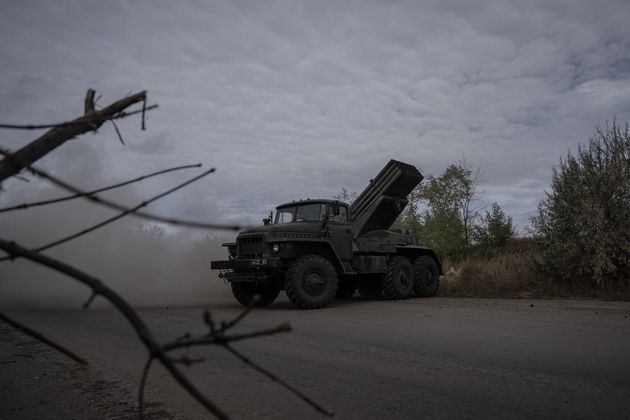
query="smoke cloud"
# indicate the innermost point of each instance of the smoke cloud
(148, 264)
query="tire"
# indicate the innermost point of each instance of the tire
(346, 288)
(371, 287)
(311, 282)
(244, 292)
(426, 276)
(398, 282)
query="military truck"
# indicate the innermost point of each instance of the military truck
(319, 250)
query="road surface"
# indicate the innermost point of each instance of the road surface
(423, 358)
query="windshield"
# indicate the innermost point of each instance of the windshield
(304, 213)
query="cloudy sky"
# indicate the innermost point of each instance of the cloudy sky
(296, 99)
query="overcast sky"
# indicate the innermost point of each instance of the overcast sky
(291, 99)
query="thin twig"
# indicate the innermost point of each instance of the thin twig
(118, 132)
(89, 301)
(111, 187)
(227, 325)
(282, 383)
(221, 339)
(38, 336)
(144, 110)
(94, 119)
(121, 214)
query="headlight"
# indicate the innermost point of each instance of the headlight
(275, 247)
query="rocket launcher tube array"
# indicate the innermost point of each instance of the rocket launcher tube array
(380, 203)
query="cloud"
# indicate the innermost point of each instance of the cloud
(297, 99)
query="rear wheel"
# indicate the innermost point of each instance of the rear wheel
(245, 292)
(311, 282)
(398, 281)
(426, 276)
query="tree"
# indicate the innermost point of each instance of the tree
(346, 196)
(495, 229)
(448, 221)
(583, 224)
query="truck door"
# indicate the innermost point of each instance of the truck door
(340, 231)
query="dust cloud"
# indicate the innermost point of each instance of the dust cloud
(150, 265)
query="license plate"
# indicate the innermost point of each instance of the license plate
(260, 261)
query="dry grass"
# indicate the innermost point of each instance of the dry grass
(506, 275)
(514, 273)
(510, 274)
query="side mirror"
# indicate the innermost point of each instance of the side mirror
(267, 221)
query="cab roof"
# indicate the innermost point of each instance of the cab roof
(310, 201)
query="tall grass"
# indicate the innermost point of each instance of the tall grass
(514, 272)
(511, 273)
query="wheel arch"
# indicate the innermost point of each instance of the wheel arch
(297, 249)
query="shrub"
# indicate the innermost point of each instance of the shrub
(583, 225)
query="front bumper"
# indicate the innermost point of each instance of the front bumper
(245, 264)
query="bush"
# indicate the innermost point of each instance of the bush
(583, 225)
(495, 231)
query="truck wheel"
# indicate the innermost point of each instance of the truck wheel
(346, 288)
(311, 282)
(244, 293)
(398, 281)
(371, 287)
(426, 275)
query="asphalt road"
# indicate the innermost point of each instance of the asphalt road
(423, 358)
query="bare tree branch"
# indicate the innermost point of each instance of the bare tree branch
(38, 336)
(111, 187)
(59, 134)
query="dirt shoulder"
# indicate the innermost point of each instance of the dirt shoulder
(37, 382)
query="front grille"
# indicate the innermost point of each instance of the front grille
(251, 247)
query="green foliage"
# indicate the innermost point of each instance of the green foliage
(443, 231)
(447, 218)
(441, 211)
(583, 224)
(494, 231)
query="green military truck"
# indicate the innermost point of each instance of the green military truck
(318, 250)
